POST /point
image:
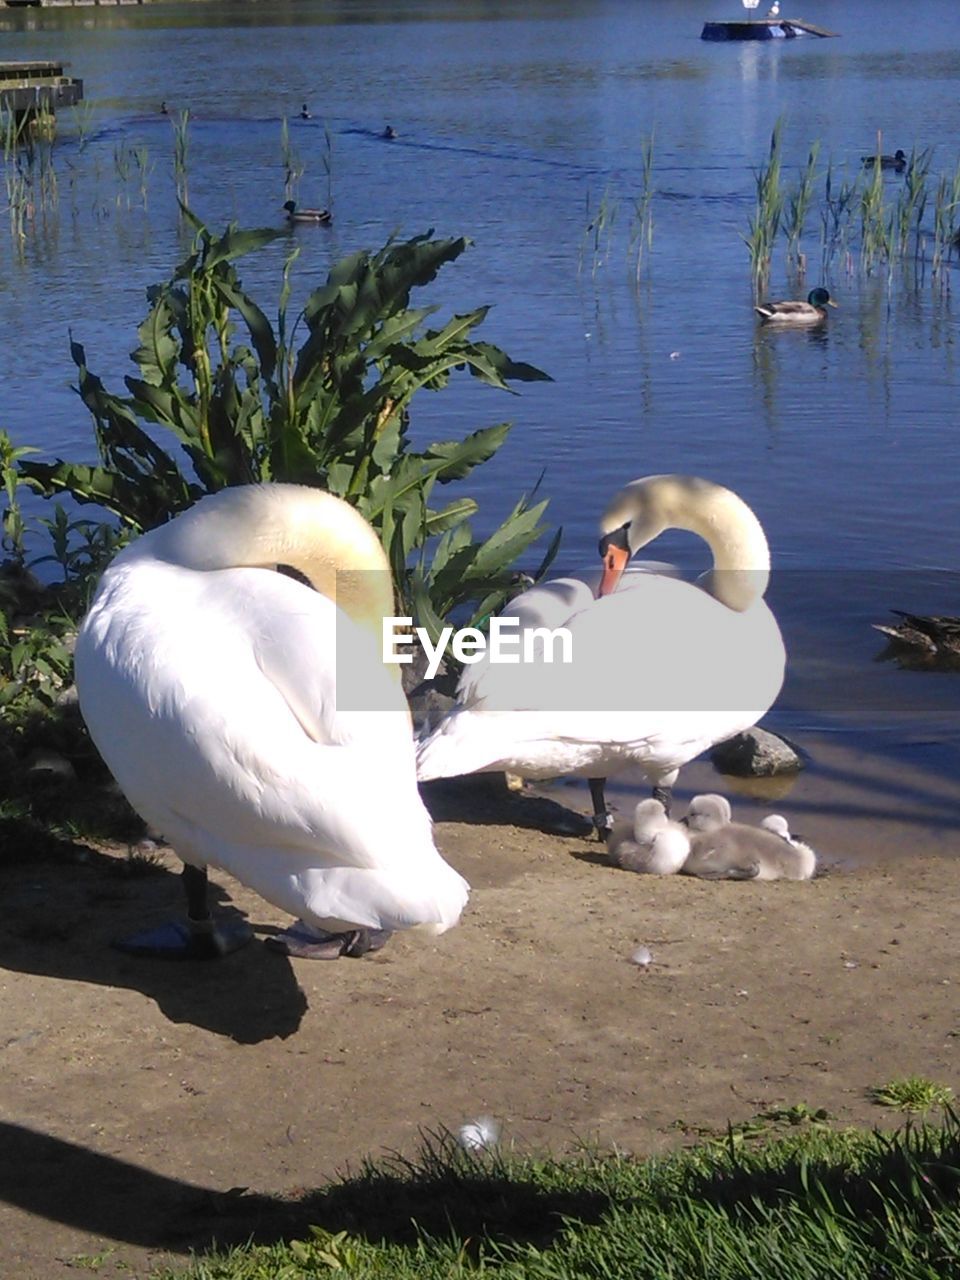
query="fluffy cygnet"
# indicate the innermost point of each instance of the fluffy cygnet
(650, 843)
(725, 850)
(806, 858)
(707, 813)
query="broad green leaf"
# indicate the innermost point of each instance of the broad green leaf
(459, 457)
(453, 514)
(234, 243)
(261, 331)
(507, 542)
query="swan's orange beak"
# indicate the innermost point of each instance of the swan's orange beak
(615, 560)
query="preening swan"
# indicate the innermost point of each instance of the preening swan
(724, 850)
(208, 682)
(661, 668)
(649, 843)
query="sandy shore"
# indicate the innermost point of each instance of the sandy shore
(135, 1094)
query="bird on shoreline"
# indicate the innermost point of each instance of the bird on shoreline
(648, 843)
(210, 684)
(721, 849)
(316, 216)
(813, 311)
(923, 640)
(660, 669)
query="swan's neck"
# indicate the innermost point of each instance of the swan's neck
(741, 557)
(263, 526)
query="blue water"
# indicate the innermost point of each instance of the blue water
(514, 123)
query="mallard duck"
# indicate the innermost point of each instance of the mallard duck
(659, 669)
(813, 311)
(306, 215)
(213, 686)
(923, 640)
(897, 161)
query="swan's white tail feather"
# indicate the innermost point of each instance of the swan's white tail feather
(462, 743)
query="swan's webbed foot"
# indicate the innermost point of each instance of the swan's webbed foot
(602, 824)
(199, 937)
(707, 869)
(363, 940)
(187, 940)
(315, 944)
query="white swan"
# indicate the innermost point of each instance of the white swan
(724, 850)
(660, 672)
(649, 843)
(209, 684)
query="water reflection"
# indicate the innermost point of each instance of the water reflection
(844, 436)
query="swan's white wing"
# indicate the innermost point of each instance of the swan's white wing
(215, 697)
(551, 605)
(659, 672)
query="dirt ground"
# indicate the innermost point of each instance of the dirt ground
(136, 1096)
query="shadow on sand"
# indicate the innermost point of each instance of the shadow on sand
(61, 915)
(113, 1198)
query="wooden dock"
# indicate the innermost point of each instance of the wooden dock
(762, 29)
(64, 4)
(32, 89)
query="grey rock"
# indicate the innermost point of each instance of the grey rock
(756, 753)
(51, 762)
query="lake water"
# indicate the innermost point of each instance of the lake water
(514, 122)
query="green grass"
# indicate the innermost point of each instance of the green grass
(813, 1205)
(913, 1094)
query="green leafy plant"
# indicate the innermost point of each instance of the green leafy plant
(765, 222)
(35, 661)
(598, 232)
(641, 227)
(246, 403)
(912, 1093)
(181, 148)
(798, 204)
(12, 525)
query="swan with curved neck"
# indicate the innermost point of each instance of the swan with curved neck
(209, 682)
(644, 509)
(662, 669)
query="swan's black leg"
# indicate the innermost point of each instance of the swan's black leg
(602, 820)
(200, 937)
(194, 880)
(665, 796)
